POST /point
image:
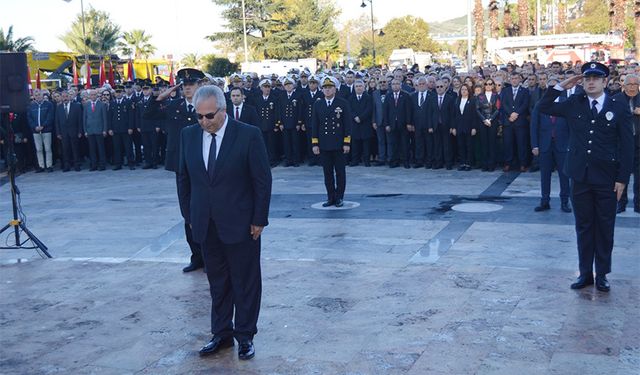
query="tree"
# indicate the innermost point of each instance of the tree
(523, 17)
(562, 17)
(136, 43)
(637, 28)
(8, 44)
(101, 34)
(353, 31)
(592, 20)
(219, 66)
(192, 60)
(509, 28)
(406, 32)
(494, 27)
(478, 17)
(616, 15)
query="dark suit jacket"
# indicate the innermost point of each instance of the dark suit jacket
(396, 116)
(466, 120)
(345, 92)
(519, 104)
(362, 109)
(240, 192)
(70, 125)
(248, 115)
(419, 117)
(600, 148)
(543, 128)
(268, 112)
(441, 117)
(95, 122)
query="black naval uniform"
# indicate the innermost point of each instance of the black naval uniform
(309, 100)
(267, 112)
(177, 114)
(331, 130)
(147, 128)
(120, 123)
(290, 116)
(136, 137)
(599, 155)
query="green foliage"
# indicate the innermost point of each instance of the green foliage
(595, 19)
(405, 32)
(101, 34)
(136, 43)
(219, 66)
(283, 29)
(192, 60)
(7, 43)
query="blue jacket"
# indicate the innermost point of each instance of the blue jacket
(519, 104)
(544, 126)
(46, 116)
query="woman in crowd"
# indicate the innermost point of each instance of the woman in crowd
(465, 123)
(488, 110)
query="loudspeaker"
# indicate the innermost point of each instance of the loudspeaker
(14, 88)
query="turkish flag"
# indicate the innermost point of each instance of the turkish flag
(103, 75)
(172, 80)
(131, 75)
(75, 73)
(112, 81)
(38, 85)
(87, 85)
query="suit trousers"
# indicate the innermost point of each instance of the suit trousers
(424, 146)
(465, 151)
(381, 134)
(150, 148)
(70, 151)
(96, 150)
(334, 162)
(442, 146)
(122, 146)
(399, 145)
(235, 282)
(360, 150)
(196, 252)
(42, 142)
(518, 136)
(594, 208)
(488, 144)
(291, 145)
(636, 178)
(547, 161)
(136, 138)
(269, 142)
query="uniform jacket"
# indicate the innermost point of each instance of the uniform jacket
(144, 122)
(290, 109)
(600, 148)
(331, 126)
(309, 100)
(240, 192)
(121, 116)
(267, 111)
(362, 109)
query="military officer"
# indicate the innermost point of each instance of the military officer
(290, 121)
(121, 129)
(148, 129)
(267, 113)
(331, 138)
(310, 96)
(598, 163)
(136, 138)
(178, 114)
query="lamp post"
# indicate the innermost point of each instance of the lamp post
(469, 52)
(84, 33)
(244, 28)
(373, 33)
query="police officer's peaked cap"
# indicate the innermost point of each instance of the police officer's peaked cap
(595, 69)
(189, 75)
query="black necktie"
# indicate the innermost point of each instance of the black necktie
(212, 157)
(421, 99)
(594, 110)
(190, 108)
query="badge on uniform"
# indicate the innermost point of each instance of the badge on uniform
(338, 112)
(271, 105)
(294, 102)
(608, 115)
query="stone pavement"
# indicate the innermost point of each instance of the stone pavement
(409, 282)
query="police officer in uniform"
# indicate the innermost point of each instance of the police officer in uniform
(121, 129)
(178, 114)
(598, 163)
(331, 138)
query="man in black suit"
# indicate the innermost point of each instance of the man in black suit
(224, 183)
(361, 126)
(395, 119)
(440, 109)
(598, 163)
(239, 110)
(347, 90)
(515, 108)
(148, 128)
(420, 125)
(631, 96)
(69, 130)
(331, 138)
(177, 114)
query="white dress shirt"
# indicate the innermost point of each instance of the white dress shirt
(206, 142)
(239, 108)
(463, 102)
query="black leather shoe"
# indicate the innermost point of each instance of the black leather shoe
(215, 345)
(353, 164)
(246, 350)
(418, 165)
(621, 208)
(93, 169)
(378, 163)
(328, 203)
(132, 168)
(66, 169)
(117, 168)
(39, 170)
(101, 168)
(339, 203)
(367, 164)
(192, 267)
(77, 169)
(582, 282)
(406, 166)
(602, 284)
(542, 207)
(565, 207)
(393, 165)
(146, 166)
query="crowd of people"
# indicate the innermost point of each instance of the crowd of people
(429, 118)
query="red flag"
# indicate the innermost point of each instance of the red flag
(130, 74)
(112, 81)
(103, 76)
(38, 85)
(75, 73)
(172, 81)
(29, 80)
(87, 85)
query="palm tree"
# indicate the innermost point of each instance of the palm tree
(478, 16)
(101, 34)
(562, 17)
(616, 15)
(136, 43)
(191, 60)
(494, 27)
(507, 20)
(523, 17)
(637, 21)
(19, 45)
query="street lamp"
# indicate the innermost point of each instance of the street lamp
(373, 33)
(244, 29)
(84, 34)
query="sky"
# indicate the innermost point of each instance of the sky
(176, 30)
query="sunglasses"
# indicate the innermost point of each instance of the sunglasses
(488, 84)
(209, 116)
(439, 87)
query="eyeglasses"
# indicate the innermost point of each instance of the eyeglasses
(439, 87)
(209, 116)
(488, 84)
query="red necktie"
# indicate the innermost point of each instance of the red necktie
(93, 106)
(237, 113)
